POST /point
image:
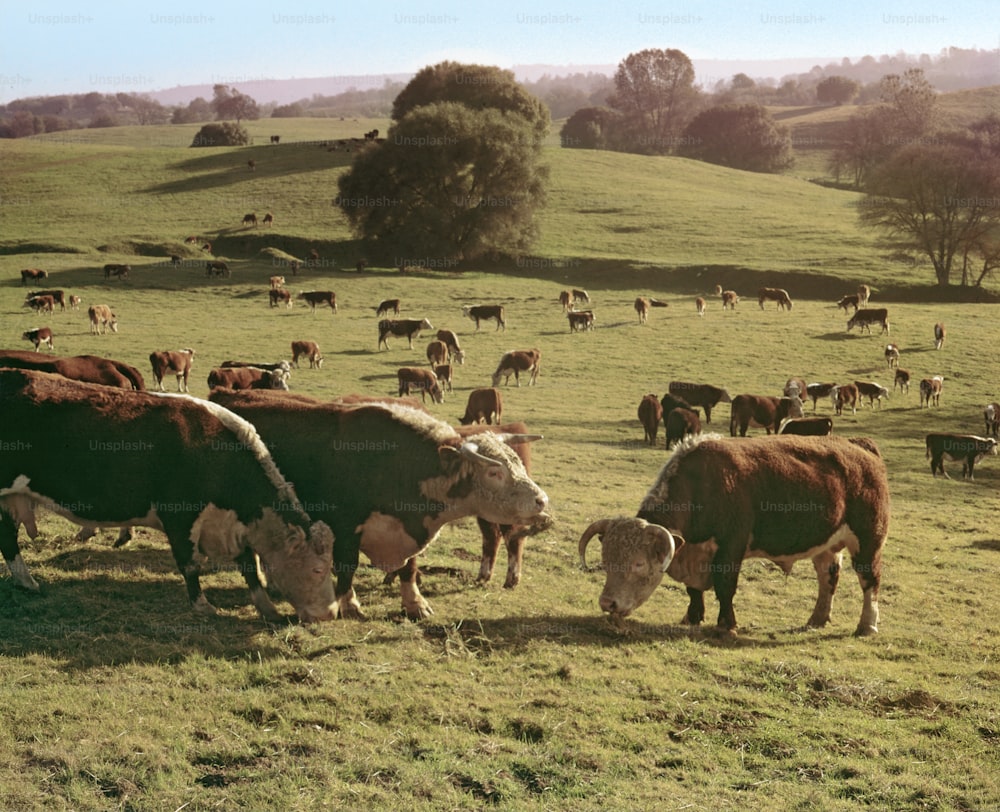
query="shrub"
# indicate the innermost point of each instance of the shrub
(221, 134)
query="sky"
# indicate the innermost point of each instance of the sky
(80, 46)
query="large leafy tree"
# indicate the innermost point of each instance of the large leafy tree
(228, 103)
(590, 128)
(837, 90)
(738, 136)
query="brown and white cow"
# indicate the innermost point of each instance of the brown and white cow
(902, 380)
(991, 414)
(761, 411)
(580, 320)
(679, 423)
(39, 336)
(819, 390)
(806, 426)
(437, 352)
(423, 379)
(514, 363)
(451, 341)
(969, 448)
(75, 302)
(246, 378)
(699, 394)
(642, 308)
(408, 328)
(308, 349)
(873, 391)
(480, 313)
(484, 405)
(939, 333)
(718, 502)
(33, 275)
(278, 296)
(216, 267)
(845, 395)
(580, 295)
(102, 318)
(40, 303)
(153, 461)
(729, 299)
(117, 269)
(277, 281)
(930, 390)
(650, 413)
(891, 356)
(386, 305)
(177, 362)
(319, 297)
(851, 300)
(864, 319)
(58, 296)
(776, 295)
(795, 388)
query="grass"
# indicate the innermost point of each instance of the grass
(118, 697)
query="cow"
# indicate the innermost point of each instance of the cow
(580, 295)
(864, 319)
(642, 308)
(277, 282)
(102, 318)
(386, 305)
(451, 340)
(309, 349)
(930, 389)
(650, 413)
(969, 448)
(101, 457)
(699, 394)
(277, 296)
(670, 402)
(437, 352)
(319, 297)
(851, 300)
(774, 295)
(216, 267)
(33, 275)
(902, 380)
(58, 296)
(991, 414)
(679, 423)
(40, 304)
(873, 391)
(515, 362)
(361, 265)
(268, 219)
(729, 299)
(580, 320)
(423, 379)
(246, 378)
(410, 328)
(700, 304)
(252, 165)
(806, 426)
(387, 478)
(718, 290)
(250, 219)
(75, 302)
(480, 313)
(938, 335)
(275, 139)
(795, 388)
(761, 411)
(819, 390)
(891, 356)
(282, 367)
(117, 269)
(566, 300)
(39, 336)
(844, 395)
(718, 502)
(86, 368)
(864, 294)
(176, 361)
(444, 376)
(483, 405)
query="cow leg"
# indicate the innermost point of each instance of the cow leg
(247, 562)
(870, 575)
(12, 553)
(515, 553)
(491, 534)
(827, 566)
(415, 605)
(179, 535)
(346, 550)
(696, 607)
(725, 578)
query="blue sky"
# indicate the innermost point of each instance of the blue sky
(87, 45)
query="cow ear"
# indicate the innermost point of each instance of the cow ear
(451, 459)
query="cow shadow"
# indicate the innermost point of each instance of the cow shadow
(838, 336)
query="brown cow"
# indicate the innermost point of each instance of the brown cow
(176, 361)
(216, 267)
(864, 294)
(580, 320)
(902, 380)
(252, 165)
(484, 313)
(891, 355)
(38, 336)
(795, 387)
(319, 297)
(642, 308)
(700, 304)
(873, 391)
(250, 219)
(310, 349)
(269, 219)
(117, 269)
(774, 295)
(699, 394)
(484, 404)
(86, 368)
(938, 335)
(279, 295)
(75, 302)
(386, 305)
(864, 319)
(423, 379)
(566, 300)
(33, 275)
(930, 389)
(650, 414)
(40, 304)
(515, 362)
(437, 352)
(58, 297)
(761, 411)
(246, 378)
(277, 282)
(410, 328)
(843, 395)
(102, 318)
(444, 376)
(451, 340)
(679, 423)
(991, 414)
(851, 300)
(729, 299)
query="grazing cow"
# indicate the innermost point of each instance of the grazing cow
(650, 414)
(483, 405)
(642, 308)
(444, 376)
(891, 356)
(175, 260)
(580, 295)
(864, 319)
(283, 368)
(275, 139)
(795, 388)
(864, 294)
(246, 378)
(774, 295)
(669, 402)
(679, 423)
(250, 220)
(269, 219)
(729, 299)
(101, 319)
(580, 320)
(806, 426)
(86, 368)
(873, 391)
(484, 313)
(386, 305)
(103, 457)
(516, 362)
(309, 349)
(938, 335)
(969, 448)
(387, 478)
(930, 389)
(277, 282)
(33, 275)
(39, 336)
(75, 302)
(277, 296)
(216, 267)
(116, 269)
(566, 300)
(451, 340)
(699, 394)
(851, 300)
(437, 352)
(319, 297)
(176, 361)
(40, 304)
(58, 297)
(761, 411)
(782, 499)
(252, 165)
(991, 414)
(423, 379)
(819, 390)
(700, 304)
(844, 395)
(902, 380)
(410, 328)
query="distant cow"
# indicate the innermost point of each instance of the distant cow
(269, 219)
(308, 349)
(679, 423)
(851, 300)
(319, 297)
(437, 352)
(580, 320)
(386, 305)
(246, 378)
(250, 220)
(423, 379)
(902, 380)
(845, 395)
(451, 341)
(216, 267)
(40, 304)
(178, 362)
(650, 414)
(991, 414)
(642, 308)
(565, 299)
(938, 335)
(102, 318)
(58, 297)
(278, 296)
(38, 336)
(580, 295)
(480, 313)
(774, 295)
(891, 355)
(75, 302)
(930, 389)
(864, 294)
(275, 139)
(819, 390)
(864, 319)
(729, 299)
(116, 269)
(969, 448)
(252, 165)
(762, 411)
(700, 394)
(408, 328)
(515, 362)
(700, 304)
(806, 426)
(33, 275)
(277, 281)
(483, 405)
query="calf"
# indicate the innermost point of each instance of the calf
(650, 414)
(39, 336)
(33, 275)
(282, 369)
(515, 362)
(930, 389)
(679, 423)
(484, 313)
(580, 320)
(386, 305)
(938, 335)
(843, 395)
(319, 297)
(873, 391)
(309, 349)
(902, 380)
(774, 295)
(451, 341)
(101, 319)
(75, 302)
(891, 356)
(700, 394)
(761, 411)
(58, 296)
(483, 405)
(852, 300)
(806, 426)
(729, 299)
(178, 362)
(423, 379)
(246, 378)
(969, 448)
(410, 328)
(642, 309)
(277, 296)
(40, 304)
(819, 390)
(864, 319)
(991, 414)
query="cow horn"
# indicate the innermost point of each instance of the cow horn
(600, 526)
(512, 439)
(468, 450)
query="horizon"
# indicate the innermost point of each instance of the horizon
(66, 48)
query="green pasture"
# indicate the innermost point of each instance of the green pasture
(119, 697)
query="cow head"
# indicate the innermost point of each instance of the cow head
(634, 556)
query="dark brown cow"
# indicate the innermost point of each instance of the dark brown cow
(39, 336)
(699, 394)
(806, 426)
(844, 395)
(216, 267)
(40, 304)
(277, 296)
(642, 308)
(252, 165)
(444, 376)
(33, 275)
(902, 380)
(269, 219)
(864, 319)
(386, 305)
(309, 349)
(319, 297)
(580, 320)
(176, 361)
(969, 448)
(483, 405)
(246, 378)
(410, 328)
(851, 300)
(930, 389)
(679, 423)
(819, 390)
(58, 296)
(761, 411)
(117, 269)
(250, 219)
(514, 363)
(86, 368)
(275, 139)
(774, 295)
(423, 379)
(484, 313)
(650, 414)
(451, 340)
(939, 335)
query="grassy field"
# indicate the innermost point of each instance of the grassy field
(118, 697)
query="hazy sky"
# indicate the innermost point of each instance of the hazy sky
(99, 45)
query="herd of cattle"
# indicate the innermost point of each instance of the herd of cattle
(381, 476)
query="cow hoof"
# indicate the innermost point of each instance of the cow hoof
(348, 607)
(512, 581)
(418, 611)
(203, 607)
(865, 631)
